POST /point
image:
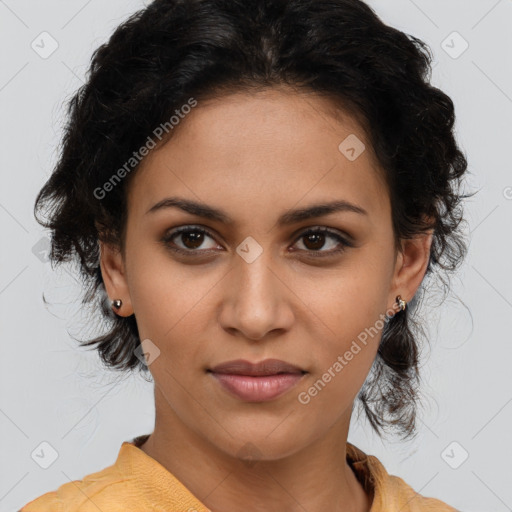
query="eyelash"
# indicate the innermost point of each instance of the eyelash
(315, 230)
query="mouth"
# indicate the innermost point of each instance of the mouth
(262, 368)
(257, 382)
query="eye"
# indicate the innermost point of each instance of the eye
(315, 239)
(192, 238)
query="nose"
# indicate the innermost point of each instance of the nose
(257, 299)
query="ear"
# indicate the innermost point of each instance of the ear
(114, 276)
(410, 268)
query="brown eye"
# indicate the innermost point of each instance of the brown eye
(314, 241)
(192, 240)
(317, 238)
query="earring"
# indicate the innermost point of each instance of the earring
(401, 303)
(117, 303)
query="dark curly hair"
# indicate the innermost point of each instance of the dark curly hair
(174, 50)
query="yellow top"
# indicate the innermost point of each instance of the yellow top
(138, 483)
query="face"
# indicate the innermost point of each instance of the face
(252, 284)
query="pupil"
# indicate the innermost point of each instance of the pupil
(194, 237)
(318, 241)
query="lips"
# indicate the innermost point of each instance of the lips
(262, 368)
(257, 382)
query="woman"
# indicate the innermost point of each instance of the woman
(255, 192)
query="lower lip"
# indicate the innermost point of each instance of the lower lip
(258, 389)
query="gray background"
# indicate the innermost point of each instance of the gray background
(53, 392)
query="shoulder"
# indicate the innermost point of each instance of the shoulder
(135, 482)
(98, 491)
(390, 492)
(407, 499)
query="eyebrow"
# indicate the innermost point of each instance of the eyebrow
(287, 218)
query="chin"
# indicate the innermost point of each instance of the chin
(260, 446)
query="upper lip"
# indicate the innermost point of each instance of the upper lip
(265, 367)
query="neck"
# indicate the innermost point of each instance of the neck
(316, 478)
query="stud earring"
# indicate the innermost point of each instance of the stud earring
(117, 303)
(401, 303)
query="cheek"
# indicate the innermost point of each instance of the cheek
(175, 324)
(345, 362)
(327, 396)
(350, 303)
(163, 293)
(349, 311)
(172, 311)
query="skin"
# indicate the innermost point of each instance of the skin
(256, 156)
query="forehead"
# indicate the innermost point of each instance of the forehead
(273, 147)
